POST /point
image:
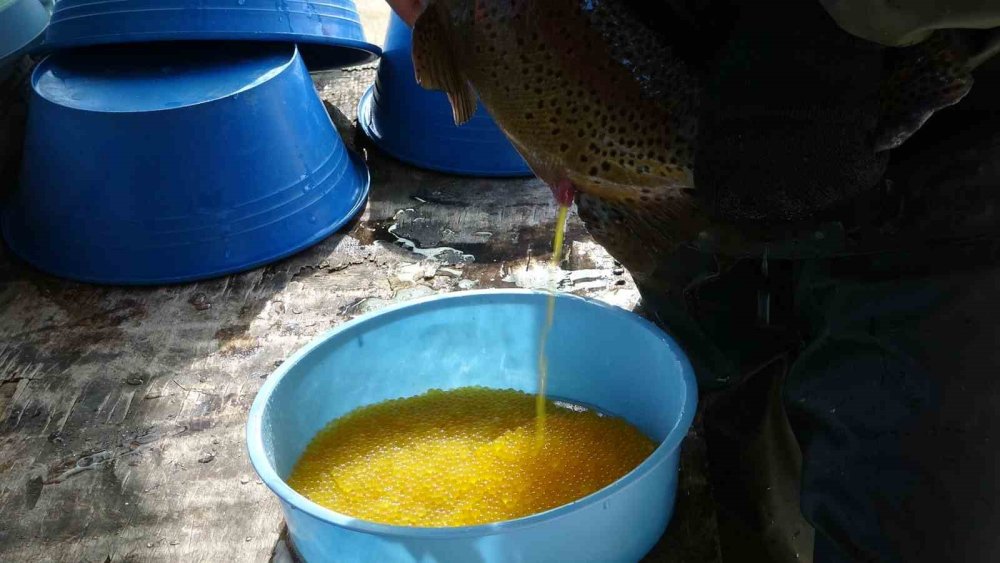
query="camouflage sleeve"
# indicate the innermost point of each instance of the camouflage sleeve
(904, 22)
(13, 112)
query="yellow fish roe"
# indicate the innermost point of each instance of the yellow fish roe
(463, 457)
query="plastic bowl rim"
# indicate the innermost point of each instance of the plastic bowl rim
(34, 43)
(364, 52)
(127, 281)
(266, 471)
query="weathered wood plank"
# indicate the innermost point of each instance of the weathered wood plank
(122, 410)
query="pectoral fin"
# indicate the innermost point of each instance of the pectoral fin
(437, 67)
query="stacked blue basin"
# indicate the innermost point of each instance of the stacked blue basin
(416, 126)
(177, 140)
(22, 26)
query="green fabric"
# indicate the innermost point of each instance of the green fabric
(873, 420)
(905, 22)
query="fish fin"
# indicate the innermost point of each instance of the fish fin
(437, 68)
(463, 104)
(921, 80)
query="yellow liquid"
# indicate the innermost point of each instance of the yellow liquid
(543, 359)
(463, 457)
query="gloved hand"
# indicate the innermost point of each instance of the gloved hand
(13, 113)
(408, 10)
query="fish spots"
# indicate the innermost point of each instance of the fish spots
(585, 93)
(922, 79)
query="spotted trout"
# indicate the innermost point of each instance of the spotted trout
(608, 111)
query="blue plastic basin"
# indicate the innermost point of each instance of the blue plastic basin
(328, 32)
(416, 126)
(22, 24)
(599, 355)
(168, 163)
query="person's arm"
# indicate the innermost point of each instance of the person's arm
(408, 10)
(905, 22)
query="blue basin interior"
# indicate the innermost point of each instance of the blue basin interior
(598, 355)
(491, 341)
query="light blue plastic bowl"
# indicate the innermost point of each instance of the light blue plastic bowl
(22, 25)
(599, 355)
